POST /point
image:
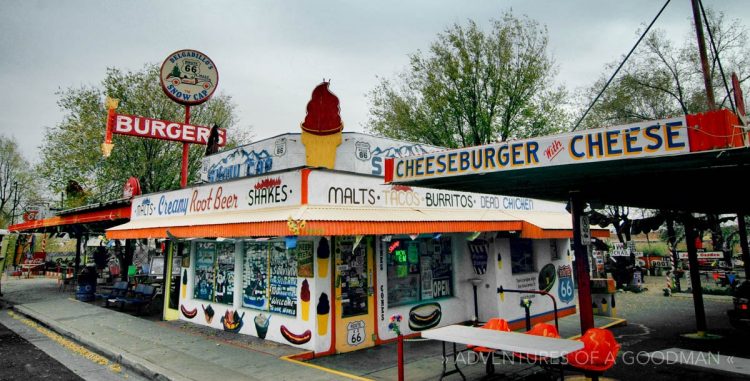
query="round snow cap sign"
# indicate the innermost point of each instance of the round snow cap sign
(189, 77)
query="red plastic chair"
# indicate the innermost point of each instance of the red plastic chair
(598, 354)
(498, 325)
(539, 329)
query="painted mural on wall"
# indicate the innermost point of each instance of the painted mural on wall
(208, 313)
(188, 313)
(232, 321)
(261, 325)
(547, 276)
(358, 153)
(240, 163)
(479, 249)
(294, 338)
(323, 310)
(425, 316)
(565, 283)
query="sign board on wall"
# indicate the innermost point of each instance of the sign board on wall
(283, 189)
(703, 255)
(327, 188)
(646, 139)
(358, 153)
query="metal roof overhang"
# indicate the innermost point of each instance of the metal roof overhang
(94, 217)
(707, 181)
(326, 220)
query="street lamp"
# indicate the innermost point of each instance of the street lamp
(474, 283)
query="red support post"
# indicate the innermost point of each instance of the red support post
(185, 153)
(400, 347)
(580, 251)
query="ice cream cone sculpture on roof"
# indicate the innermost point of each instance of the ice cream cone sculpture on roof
(321, 129)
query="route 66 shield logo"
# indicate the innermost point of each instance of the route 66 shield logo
(362, 150)
(565, 283)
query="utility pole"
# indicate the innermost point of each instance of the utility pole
(15, 203)
(704, 57)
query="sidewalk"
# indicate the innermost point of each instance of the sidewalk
(156, 350)
(183, 351)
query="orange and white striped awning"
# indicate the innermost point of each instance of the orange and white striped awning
(307, 220)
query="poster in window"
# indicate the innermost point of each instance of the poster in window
(442, 269)
(205, 256)
(304, 254)
(283, 280)
(426, 277)
(521, 257)
(224, 273)
(352, 266)
(255, 276)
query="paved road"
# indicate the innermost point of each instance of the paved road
(30, 352)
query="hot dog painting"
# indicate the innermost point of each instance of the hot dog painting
(424, 316)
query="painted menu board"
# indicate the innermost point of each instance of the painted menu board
(351, 264)
(204, 270)
(304, 254)
(225, 274)
(255, 275)
(283, 295)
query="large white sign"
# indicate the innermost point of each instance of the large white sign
(329, 188)
(654, 138)
(282, 189)
(358, 153)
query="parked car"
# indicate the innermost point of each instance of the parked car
(739, 316)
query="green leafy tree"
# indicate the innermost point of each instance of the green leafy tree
(473, 87)
(71, 150)
(16, 182)
(664, 79)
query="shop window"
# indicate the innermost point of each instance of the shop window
(521, 256)
(418, 270)
(214, 272)
(269, 276)
(553, 252)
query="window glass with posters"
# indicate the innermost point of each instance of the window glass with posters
(521, 256)
(255, 275)
(419, 270)
(205, 259)
(352, 265)
(224, 273)
(283, 265)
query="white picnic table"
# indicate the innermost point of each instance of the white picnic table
(548, 347)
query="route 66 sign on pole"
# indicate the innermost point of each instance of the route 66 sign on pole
(188, 77)
(585, 231)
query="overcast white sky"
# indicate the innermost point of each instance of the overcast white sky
(271, 54)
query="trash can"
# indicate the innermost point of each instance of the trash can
(86, 285)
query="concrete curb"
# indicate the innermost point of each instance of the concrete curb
(689, 295)
(134, 363)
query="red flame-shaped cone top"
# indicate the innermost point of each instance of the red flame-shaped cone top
(323, 112)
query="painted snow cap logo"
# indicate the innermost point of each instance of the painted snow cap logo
(241, 163)
(145, 208)
(188, 77)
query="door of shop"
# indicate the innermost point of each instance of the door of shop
(355, 310)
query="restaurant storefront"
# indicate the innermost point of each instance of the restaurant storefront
(321, 258)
